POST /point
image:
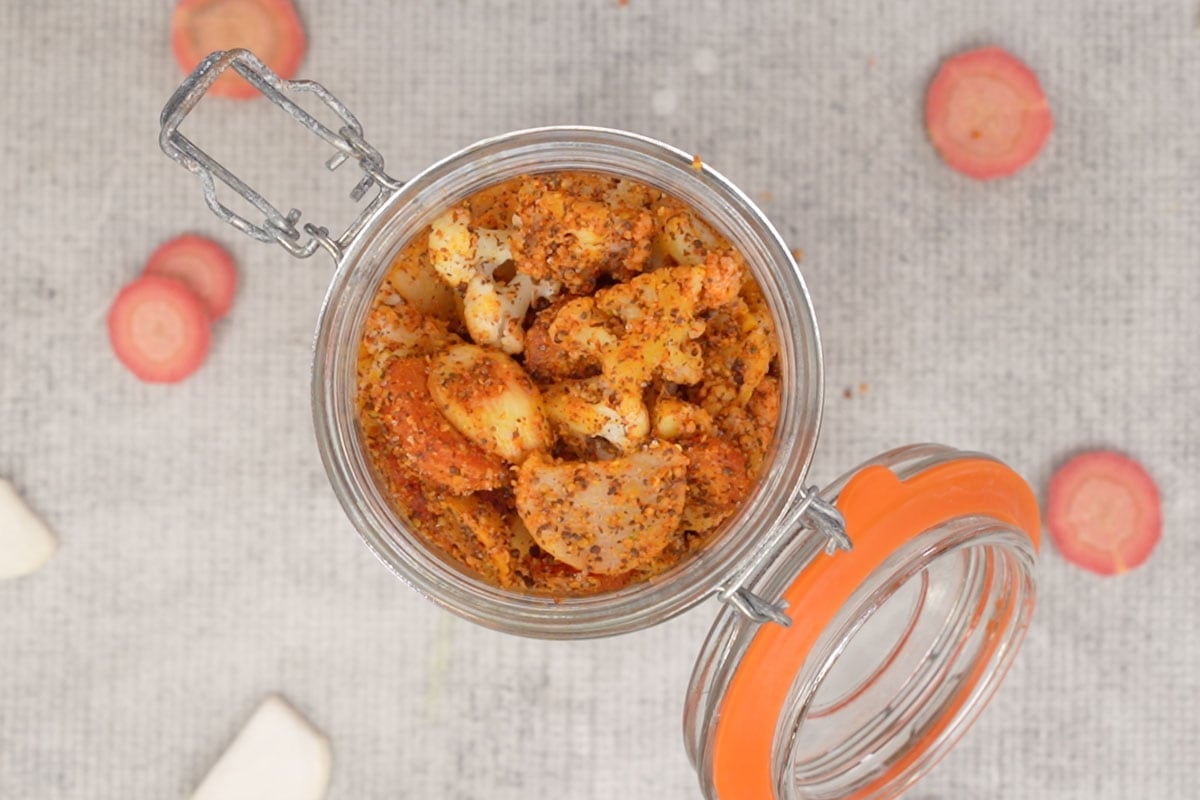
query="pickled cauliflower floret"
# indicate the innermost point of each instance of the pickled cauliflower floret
(672, 418)
(717, 481)
(593, 408)
(605, 517)
(660, 325)
(484, 519)
(738, 349)
(490, 400)
(751, 427)
(634, 332)
(398, 331)
(415, 282)
(689, 242)
(467, 259)
(566, 234)
(553, 356)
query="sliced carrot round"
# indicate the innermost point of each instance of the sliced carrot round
(986, 113)
(270, 29)
(1103, 512)
(200, 264)
(159, 329)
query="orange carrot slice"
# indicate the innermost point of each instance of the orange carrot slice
(986, 113)
(428, 443)
(159, 329)
(268, 28)
(1103, 512)
(200, 264)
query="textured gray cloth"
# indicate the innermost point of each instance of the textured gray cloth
(204, 561)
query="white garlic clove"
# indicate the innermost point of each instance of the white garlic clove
(25, 541)
(278, 754)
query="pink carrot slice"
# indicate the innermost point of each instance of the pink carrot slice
(270, 29)
(159, 329)
(200, 264)
(1103, 512)
(986, 113)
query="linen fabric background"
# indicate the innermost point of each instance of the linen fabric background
(204, 561)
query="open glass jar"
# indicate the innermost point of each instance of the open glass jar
(864, 626)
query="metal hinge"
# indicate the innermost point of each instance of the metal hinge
(815, 514)
(276, 226)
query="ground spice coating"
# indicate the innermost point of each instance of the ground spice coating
(567, 383)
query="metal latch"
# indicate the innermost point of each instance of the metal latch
(815, 514)
(348, 143)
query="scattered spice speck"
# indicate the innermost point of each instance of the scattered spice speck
(847, 393)
(766, 195)
(798, 254)
(697, 164)
(863, 388)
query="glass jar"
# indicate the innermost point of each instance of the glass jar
(366, 262)
(909, 582)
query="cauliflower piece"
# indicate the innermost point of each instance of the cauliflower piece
(490, 400)
(658, 310)
(637, 330)
(565, 234)
(484, 519)
(718, 482)
(738, 348)
(398, 331)
(583, 330)
(467, 259)
(494, 206)
(627, 194)
(764, 406)
(724, 275)
(551, 357)
(604, 517)
(655, 323)
(756, 303)
(752, 427)
(424, 440)
(413, 279)
(686, 239)
(672, 418)
(592, 407)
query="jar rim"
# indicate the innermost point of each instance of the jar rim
(563, 148)
(895, 669)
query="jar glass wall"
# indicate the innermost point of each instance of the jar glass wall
(405, 215)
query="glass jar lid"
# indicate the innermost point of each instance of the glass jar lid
(894, 647)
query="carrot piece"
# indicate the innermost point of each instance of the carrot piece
(200, 264)
(1103, 512)
(426, 441)
(159, 329)
(270, 29)
(986, 113)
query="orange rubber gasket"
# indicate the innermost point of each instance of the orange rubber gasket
(882, 513)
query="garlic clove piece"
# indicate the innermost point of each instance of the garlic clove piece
(278, 754)
(25, 541)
